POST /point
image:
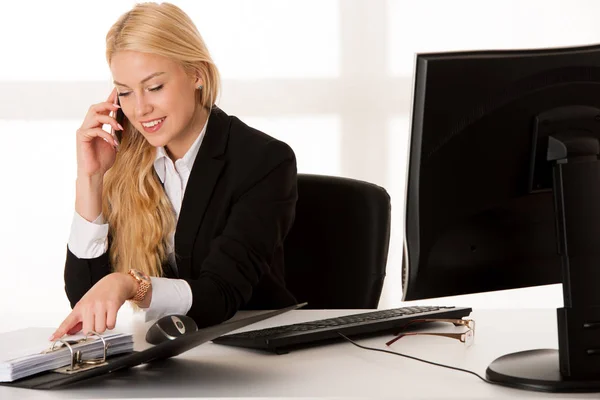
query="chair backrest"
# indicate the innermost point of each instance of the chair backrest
(337, 249)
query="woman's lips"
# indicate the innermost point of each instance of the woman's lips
(154, 128)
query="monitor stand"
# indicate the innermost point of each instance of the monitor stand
(571, 136)
(537, 370)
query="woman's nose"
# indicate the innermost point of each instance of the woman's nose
(142, 108)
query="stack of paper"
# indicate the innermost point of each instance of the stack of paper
(25, 352)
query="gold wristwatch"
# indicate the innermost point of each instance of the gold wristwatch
(144, 284)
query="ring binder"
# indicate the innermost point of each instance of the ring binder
(122, 356)
(78, 364)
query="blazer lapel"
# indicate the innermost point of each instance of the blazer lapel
(203, 179)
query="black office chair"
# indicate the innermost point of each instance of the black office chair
(336, 251)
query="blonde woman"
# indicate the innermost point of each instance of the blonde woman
(187, 214)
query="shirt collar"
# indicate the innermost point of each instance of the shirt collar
(188, 158)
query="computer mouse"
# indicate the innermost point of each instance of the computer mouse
(170, 327)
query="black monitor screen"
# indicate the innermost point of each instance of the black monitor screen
(479, 203)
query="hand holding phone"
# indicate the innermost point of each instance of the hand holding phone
(96, 148)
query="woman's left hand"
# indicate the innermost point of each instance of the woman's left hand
(97, 309)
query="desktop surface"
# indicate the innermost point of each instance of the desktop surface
(335, 370)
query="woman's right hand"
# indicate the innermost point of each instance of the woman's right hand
(96, 148)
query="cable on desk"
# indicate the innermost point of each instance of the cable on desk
(417, 359)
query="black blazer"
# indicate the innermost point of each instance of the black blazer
(238, 207)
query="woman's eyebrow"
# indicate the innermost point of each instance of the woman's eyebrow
(143, 80)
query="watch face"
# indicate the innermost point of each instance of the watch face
(140, 275)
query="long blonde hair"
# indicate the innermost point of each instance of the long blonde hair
(139, 214)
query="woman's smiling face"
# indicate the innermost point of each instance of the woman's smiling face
(159, 98)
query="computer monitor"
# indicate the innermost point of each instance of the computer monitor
(503, 192)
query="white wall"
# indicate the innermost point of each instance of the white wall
(332, 78)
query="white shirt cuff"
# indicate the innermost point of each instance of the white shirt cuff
(88, 239)
(169, 296)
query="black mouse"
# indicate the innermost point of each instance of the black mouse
(170, 327)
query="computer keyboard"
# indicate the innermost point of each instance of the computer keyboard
(282, 339)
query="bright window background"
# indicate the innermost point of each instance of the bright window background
(331, 78)
(471, 24)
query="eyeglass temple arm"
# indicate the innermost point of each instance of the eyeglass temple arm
(456, 322)
(464, 322)
(458, 336)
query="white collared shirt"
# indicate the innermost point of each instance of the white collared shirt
(90, 239)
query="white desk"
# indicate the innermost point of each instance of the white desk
(337, 370)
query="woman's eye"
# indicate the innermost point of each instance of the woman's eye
(123, 94)
(154, 89)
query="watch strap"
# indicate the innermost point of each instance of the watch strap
(143, 287)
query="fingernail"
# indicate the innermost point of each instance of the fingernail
(120, 127)
(116, 105)
(51, 337)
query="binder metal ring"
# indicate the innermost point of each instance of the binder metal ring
(97, 360)
(77, 363)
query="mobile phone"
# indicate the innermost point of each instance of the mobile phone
(120, 117)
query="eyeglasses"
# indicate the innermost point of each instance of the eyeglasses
(467, 337)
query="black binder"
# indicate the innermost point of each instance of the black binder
(53, 379)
